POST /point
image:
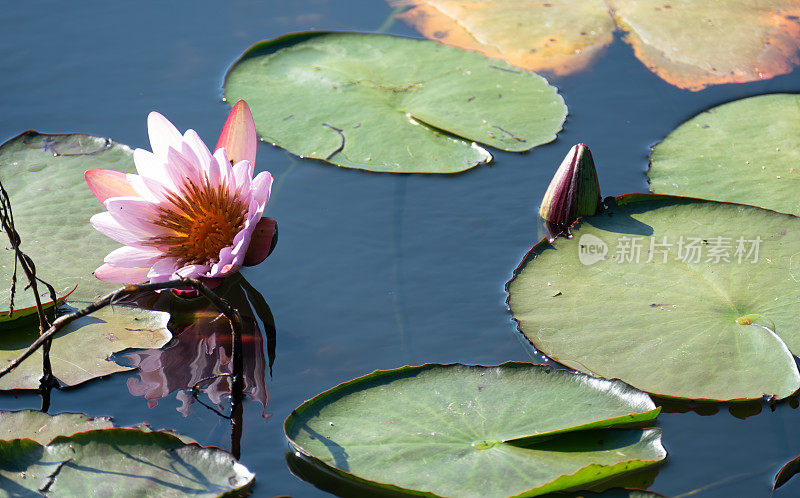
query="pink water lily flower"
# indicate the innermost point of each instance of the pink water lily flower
(188, 212)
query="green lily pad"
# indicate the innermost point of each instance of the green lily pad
(391, 104)
(456, 430)
(744, 151)
(672, 317)
(115, 462)
(52, 204)
(47, 303)
(327, 480)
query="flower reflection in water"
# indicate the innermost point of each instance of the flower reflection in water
(200, 354)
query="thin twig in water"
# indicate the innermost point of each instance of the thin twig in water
(197, 386)
(48, 381)
(222, 415)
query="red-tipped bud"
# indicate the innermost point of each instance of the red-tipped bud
(574, 190)
(239, 135)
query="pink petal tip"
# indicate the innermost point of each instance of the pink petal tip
(239, 135)
(105, 183)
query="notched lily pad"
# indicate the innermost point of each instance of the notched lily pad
(745, 151)
(43, 175)
(456, 430)
(680, 297)
(391, 104)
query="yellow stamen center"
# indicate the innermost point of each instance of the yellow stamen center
(203, 220)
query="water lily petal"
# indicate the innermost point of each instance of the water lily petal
(120, 275)
(133, 257)
(225, 264)
(243, 234)
(214, 174)
(137, 214)
(262, 186)
(239, 135)
(105, 183)
(225, 170)
(200, 150)
(243, 174)
(181, 170)
(240, 246)
(150, 166)
(187, 151)
(236, 263)
(106, 224)
(262, 241)
(254, 212)
(192, 271)
(148, 189)
(162, 134)
(162, 270)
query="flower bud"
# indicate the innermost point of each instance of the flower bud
(239, 135)
(573, 192)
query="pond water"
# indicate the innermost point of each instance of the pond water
(372, 271)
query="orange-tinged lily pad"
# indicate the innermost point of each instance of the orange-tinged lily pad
(696, 44)
(559, 37)
(688, 44)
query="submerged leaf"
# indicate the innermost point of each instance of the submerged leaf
(695, 44)
(43, 175)
(745, 151)
(679, 297)
(559, 37)
(687, 43)
(456, 430)
(391, 104)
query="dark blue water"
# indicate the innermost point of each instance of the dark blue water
(372, 270)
